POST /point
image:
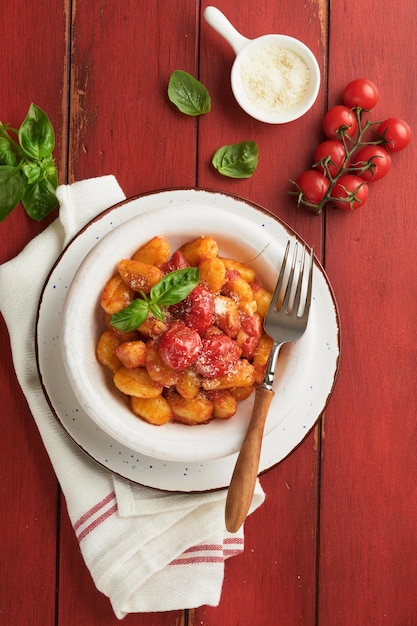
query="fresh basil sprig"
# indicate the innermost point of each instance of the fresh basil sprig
(188, 94)
(27, 168)
(171, 289)
(238, 160)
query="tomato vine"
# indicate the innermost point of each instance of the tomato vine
(356, 152)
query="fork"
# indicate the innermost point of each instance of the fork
(284, 323)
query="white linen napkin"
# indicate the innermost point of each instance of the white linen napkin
(146, 550)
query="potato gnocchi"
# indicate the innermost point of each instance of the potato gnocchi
(207, 353)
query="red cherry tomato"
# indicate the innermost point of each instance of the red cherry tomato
(249, 335)
(347, 186)
(332, 153)
(378, 157)
(199, 309)
(396, 133)
(217, 356)
(179, 346)
(176, 262)
(338, 121)
(361, 93)
(314, 185)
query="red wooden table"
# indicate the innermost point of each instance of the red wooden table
(334, 544)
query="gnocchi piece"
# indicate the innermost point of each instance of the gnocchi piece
(246, 271)
(224, 403)
(262, 298)
(139, 276)
(248, 307)
(153, 410)
(136, 382)
(105, 350)
(242, 375)
(153, 328)
(241, 393)
(261, 356)
(238, 289)
(227, 316)
(199, 249)
(154, 252)
(116, 295)
(188, 384)
(131, 353)
(159, 371)
(191, 411)
(212, 273)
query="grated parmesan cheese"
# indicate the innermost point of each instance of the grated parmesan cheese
(275, 79)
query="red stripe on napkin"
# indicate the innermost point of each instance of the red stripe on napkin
(210, 553)
(95, 516)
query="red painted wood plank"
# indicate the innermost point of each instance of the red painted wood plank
(368, 566)
(29, 73)
(28, 496)
(121, 120)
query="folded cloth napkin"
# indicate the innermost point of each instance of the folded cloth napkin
(146, 550)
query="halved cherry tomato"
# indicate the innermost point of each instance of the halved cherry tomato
(338, 121)
(396, 133)
(179, 346)
(217, 356)
(332, 153)
(350, 192)
(199, 309)
(361, 93)
(378, 157)
(314, 185)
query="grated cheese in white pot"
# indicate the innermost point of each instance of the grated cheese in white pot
(275, 79)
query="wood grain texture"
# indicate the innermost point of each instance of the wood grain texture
(369, 462)
(334, 542)
(28, 487)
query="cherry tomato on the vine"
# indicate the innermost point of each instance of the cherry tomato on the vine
(362, 93)
(332, 153)
(350, 192)
(378, 157)
(314, 185)
(396, 133)
(338, 121)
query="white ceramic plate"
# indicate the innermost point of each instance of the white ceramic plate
(305, 378)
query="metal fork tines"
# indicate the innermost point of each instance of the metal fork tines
(287, 316)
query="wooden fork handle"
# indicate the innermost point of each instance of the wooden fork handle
(242, 484)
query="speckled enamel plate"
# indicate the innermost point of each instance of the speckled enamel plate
(305, 379)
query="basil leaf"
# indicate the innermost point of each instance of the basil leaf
(131, 317)
(36, 135)
(39, 198)
(7, 154)
(32, 171)
(156, 311)
(11, 189)
(188, 94)
(238, 160)
(175, 286)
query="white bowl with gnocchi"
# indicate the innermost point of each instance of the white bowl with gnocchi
(162, 335)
